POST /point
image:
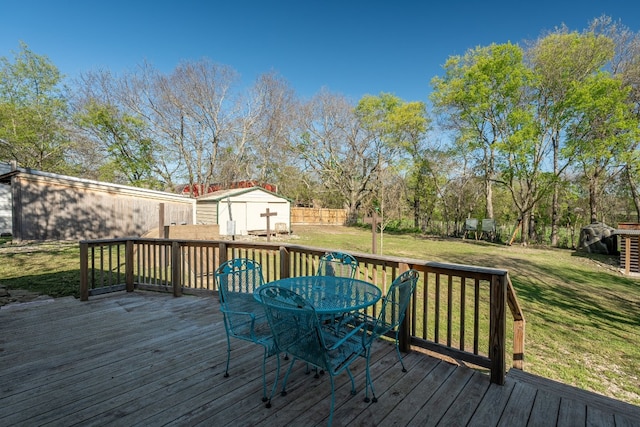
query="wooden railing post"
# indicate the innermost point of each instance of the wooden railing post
(285, 262)
(222, 253)
(404, 337)
(84, 271)
(497, 327)
(518, 325)
(176, 269)
(128, 265)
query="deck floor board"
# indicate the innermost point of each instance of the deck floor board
(149, 359)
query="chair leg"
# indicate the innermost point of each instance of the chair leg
(369, 382)
(333, 401)
(353, 382)
(400, 355)
(286, 377)
(226, 370)
(264, 378)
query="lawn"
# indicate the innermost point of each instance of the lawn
(583, 316)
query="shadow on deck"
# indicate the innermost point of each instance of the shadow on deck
(150, 359)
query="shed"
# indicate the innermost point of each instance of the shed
(47, 206)
(629, 248)
(242, 211)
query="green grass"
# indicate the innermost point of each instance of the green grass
(46, 268)
(583, 316)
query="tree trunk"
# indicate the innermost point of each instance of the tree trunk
(634, 191)
(555, 205)
(489, 196)
(524, 235)
(417, 208)
(488, 183)
(593, 197)
(555, 216)
(533, 234)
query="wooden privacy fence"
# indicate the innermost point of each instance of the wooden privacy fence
(459, 311)
(317, 216)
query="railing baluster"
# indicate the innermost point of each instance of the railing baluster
(93, 267)
(463, 301)
(476, 316)
(449, 308)
(436, 330)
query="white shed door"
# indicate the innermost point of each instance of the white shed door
(239, 210)
(254, 220)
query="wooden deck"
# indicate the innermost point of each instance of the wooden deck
(151, 359)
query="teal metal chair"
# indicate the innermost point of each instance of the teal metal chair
(298, 332)
(388, 321)
(337, 264)
(470, 226)
(244, 316)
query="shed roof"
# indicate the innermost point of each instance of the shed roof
(232, 192)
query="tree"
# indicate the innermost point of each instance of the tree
(484, 99)
(561, 61)
(477, 97)
(189, 115)
(275, 104)
(625, 65)
(603, 131)
(32, 112)
(336, 148)
(123, 139)
(116, 140)
(401, 128)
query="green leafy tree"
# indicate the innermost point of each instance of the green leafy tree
(484, 99)
(122, 136)
(561, 61)
(626, 66)
(477, 98)
(401, 126)
(603, 132)
(33, 111)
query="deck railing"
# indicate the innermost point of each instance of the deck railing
(458, 311)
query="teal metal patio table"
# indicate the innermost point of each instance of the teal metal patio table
(330, 295)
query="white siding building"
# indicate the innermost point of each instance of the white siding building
(238, 211)
(5, 203)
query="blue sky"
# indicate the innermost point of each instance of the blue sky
(349, 47)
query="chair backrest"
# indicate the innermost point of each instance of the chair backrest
(294, 325)
(244, 315)
(489, 225)
(394, 304)
(238, 277)
(471, 224)
(338, 264)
